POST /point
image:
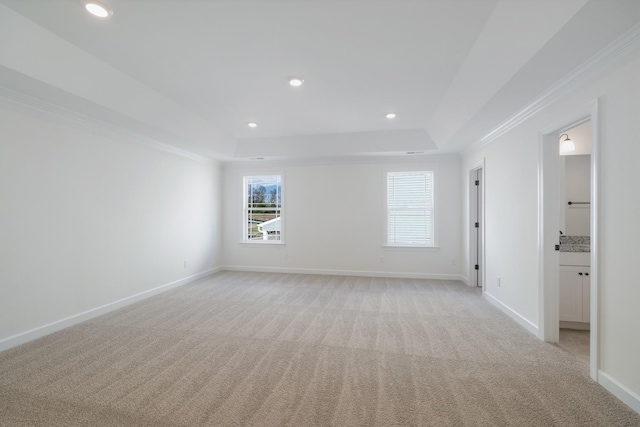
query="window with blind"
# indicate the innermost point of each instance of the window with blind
(410, 217)
(262, 209)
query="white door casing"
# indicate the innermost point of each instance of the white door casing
(548, 226)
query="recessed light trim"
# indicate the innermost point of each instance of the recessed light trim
(98, 9)
(391, 115)
(296, 81)
(252, 125)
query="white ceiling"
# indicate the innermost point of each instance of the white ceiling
(192, 73)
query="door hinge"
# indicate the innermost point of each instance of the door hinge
(477, 267)
(557, 247)
(477, 225)
(477, 182)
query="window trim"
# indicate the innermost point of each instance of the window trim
(243, 231)
(405, 246)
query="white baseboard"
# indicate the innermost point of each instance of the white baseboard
(630, 398)
(58, 325)
(399, 275)
(512, 314)
(578, 326)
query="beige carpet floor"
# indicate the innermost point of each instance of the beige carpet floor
(255, 349)
(577, 343)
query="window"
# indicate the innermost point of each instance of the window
(410, 217)
(262, 208)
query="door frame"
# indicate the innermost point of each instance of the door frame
(472, 207)
(549, 223)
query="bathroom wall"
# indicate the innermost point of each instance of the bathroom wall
(577, 189)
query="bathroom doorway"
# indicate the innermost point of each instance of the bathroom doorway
(575, 241)
(549, 214)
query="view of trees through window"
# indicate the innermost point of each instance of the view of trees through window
(263, 207)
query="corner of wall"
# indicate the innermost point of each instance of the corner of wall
(41, 331)
(521, 320)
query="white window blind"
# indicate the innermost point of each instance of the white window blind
(410, 208)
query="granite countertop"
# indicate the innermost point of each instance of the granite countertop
(575, 244)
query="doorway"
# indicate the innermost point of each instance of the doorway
(549, 225)
(476, 226)
(575, 229)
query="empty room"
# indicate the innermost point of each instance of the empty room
(319, 212)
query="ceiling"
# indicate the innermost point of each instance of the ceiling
(192, 73)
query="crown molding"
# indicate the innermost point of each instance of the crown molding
(625, 45)
(57, 111)
(340, 160)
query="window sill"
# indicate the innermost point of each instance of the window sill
(263, 243)
(411, 248)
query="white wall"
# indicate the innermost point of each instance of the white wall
(511, 216)
(577, 189)
(511, 251)
(334, 220)
(89, 217)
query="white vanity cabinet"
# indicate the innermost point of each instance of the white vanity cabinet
(575, 286)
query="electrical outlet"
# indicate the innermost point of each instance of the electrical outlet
(186, 263)
(381, 260)
(453, 262)
(286, 257)
(499, 282)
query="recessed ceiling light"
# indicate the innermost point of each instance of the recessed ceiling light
(296, 81)
(390, 115)
(98, 9)
(252, 124)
